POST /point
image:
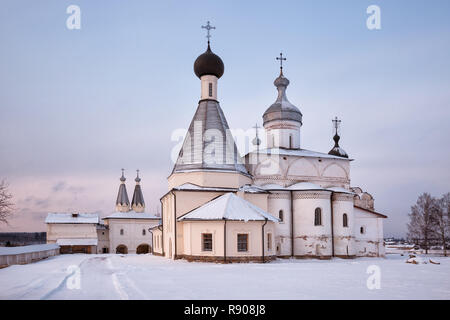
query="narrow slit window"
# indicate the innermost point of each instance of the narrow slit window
(269, 241)
(318, 217)
(345, 220)
(281, 215)
(210, 90)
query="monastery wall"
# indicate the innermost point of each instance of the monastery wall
(370, 242)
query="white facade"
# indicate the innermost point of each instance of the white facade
(129, 234)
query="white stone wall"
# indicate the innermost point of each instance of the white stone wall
(206, 80)
(57, 231)
(193, 230)
(281, 201)
(132, 233)
(283, 134)
(103, 240)
(288, 170)
(344, 239)
(311, 240)
(370, 243)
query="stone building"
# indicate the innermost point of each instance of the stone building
(307, 206)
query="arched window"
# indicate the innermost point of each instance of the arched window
(318, 217)
(121, 232)
(281, 215)
(143, 232)
(345, 220)
(362, 230)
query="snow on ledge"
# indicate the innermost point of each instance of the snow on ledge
(77, 242)
(60, 217)
(5, 251)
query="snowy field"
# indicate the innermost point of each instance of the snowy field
(151, 277)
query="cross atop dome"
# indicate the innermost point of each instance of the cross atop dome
(281, 61)
(208, 27)
(336, 124)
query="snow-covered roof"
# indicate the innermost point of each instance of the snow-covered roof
(60, 217)
(380, 215)
(77, 242)
(194, 187)
(4, 251)
(132, 215)
(273, 186)
(299, 153)
(305, 186)
(228, 207)
(252, 189)
(340, 190)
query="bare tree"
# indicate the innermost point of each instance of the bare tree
(420, 224)
(6, 204)
(441, 220)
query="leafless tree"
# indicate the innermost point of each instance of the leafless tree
(441, 220)
(6, 204)
(421, 217)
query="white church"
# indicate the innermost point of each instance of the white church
(279, 201)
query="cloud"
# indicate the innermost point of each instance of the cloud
(59, 186)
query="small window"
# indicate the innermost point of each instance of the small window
(121, 232)
(207, 241)
(318, 217)
(210, 89)
(362, 230)
(269, 241)
(242, 242)
(143, 232)
(290, 141)
(345, 220)
(281, 215)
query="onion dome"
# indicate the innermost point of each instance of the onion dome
(208, 63)
(337, 151)
(282, 109)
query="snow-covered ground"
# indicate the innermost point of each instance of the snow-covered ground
(151, 277)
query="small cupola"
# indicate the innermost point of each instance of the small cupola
(209, 68)
(137, 203)
(122, 202)
(337, 150)
(282, 120)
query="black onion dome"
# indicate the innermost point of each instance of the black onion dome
(209, 63)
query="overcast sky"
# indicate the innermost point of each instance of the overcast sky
(78, 105)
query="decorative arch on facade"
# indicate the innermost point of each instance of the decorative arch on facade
(302, 167)
(335, 170)
(269, 167)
